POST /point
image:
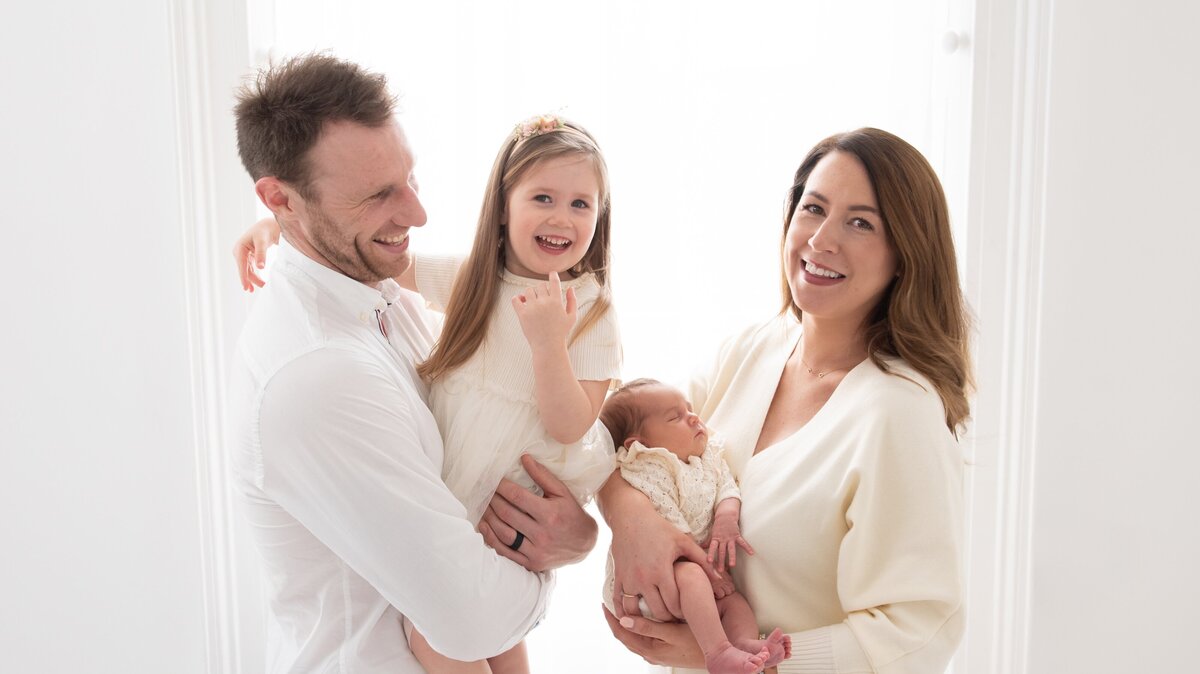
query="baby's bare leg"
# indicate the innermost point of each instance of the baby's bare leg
(740, 625)
(436, 663)
(513, 661)
(700, 611)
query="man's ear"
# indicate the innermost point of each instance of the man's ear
(278, 196)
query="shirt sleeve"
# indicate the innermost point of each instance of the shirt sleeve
(899, 569)
(343, 454)
(596, 354)
(435, 276)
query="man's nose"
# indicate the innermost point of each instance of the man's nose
(410, 212)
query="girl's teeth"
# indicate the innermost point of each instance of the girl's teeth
(818, 271)
(554, 241)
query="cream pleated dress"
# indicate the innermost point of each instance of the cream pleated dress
(486, 409)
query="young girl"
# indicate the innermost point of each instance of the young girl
(521, 366)
(667, 453)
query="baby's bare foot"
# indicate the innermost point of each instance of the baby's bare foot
(777, 644)
(726, 659)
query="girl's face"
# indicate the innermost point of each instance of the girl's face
(550, 216)
(837, 257)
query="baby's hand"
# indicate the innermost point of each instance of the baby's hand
(724, 541)
(544, 319)
(724, 587)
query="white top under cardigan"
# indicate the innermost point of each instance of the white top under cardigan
(338, 462)
(857, 518)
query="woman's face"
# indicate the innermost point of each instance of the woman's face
(837, 256)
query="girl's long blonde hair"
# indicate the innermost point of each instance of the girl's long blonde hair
(473, 296)
(923, 318)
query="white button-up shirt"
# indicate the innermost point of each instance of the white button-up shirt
(339, 460)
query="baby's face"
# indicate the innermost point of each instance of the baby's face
(668, 422)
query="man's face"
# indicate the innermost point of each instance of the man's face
(364, 200)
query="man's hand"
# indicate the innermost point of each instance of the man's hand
(555, 529)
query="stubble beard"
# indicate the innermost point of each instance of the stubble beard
(345, 254)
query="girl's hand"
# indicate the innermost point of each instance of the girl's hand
(250, 251)
(544, 319)
(726, 536)
(667, 644)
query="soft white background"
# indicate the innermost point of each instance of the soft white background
(106, 431)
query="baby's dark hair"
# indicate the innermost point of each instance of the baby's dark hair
(620, 415)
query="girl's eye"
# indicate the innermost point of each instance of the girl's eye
(543, 198)
(579, 203)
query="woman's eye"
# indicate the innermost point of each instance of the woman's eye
(579, 203)
(814, 209)
(862, 224)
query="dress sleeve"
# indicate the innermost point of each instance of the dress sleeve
(596, 355)
(342, 453)
(435, 278)
(899, 568)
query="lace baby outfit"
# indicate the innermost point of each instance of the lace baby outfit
(486, 409)
(684, 494)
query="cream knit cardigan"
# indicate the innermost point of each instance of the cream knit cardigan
(857, 517)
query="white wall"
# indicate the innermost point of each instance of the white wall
(101, 562)
(1116, 527)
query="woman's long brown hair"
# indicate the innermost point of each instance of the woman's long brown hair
(477, 286)
(923, 317)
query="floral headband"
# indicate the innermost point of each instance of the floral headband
(536, 126)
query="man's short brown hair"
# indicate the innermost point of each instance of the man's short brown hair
(281, 114)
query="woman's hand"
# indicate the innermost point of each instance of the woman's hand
(644, 549)
(250, 251)
(667, 644)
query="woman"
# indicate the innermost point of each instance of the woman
(841, 417)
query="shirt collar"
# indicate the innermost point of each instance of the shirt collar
(345, 291)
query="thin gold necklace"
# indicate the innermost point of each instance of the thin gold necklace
(820, 375)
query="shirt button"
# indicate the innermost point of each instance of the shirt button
(363, 317)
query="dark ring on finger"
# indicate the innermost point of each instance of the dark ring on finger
(517, 542)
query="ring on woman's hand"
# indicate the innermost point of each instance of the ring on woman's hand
(631, 596)
(517, 542)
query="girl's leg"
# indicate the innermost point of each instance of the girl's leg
(738, 620)
(513, 661)
(436, 663)
(700, 611)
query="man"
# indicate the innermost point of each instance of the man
(337, 454)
